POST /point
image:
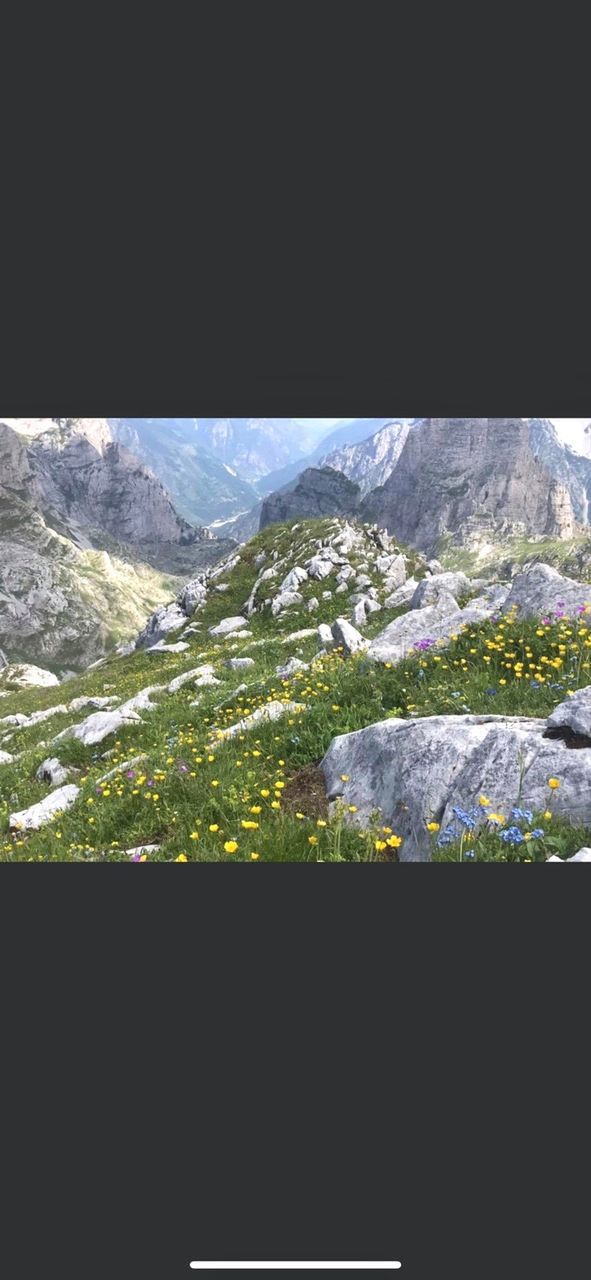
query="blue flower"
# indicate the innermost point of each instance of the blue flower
(450, 834)
(538, 834)
(534, 684)
(522, 815)
(469, 853)
(491, 693)
(511, 836)
(467, 820)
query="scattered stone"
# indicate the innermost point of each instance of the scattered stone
(228, 625)
(53, 772)
(327, 595)
(179, 647)
(238, 664)
(290, 668)
(98, 726)
(313, 604)
(432, 590)
(341, 589)
(206, 681)
(284, 600)
(141, 849)
(141, 701)
(297, 635)
(26, 676)
(435, 567)
(271, 711)
(574, 714)
(320, 567)
(166, 619)
(294, 579)
(347, 636)
(542, 591)
(18, 720)
(98, 704)
(125, 764)
(178, 682)
(6, 758)
(435, 622)
(362, 580)
(403, 595)
(39, 814)
(324, 634)
(359, 616)
(192, 596)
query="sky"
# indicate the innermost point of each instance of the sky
(570, 430)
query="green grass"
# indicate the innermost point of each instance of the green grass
(538, 665)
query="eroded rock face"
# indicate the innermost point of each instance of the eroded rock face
(405, 634)
(542, 591)
(98, 726)
(346, 635)
(320, 491)
(417, 771)
(574, 714)
(453, 471)
(431, 590)
(228, 626)
(53, 772)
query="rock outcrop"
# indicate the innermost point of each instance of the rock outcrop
(371, 462)
(320, 491)
(458, 473)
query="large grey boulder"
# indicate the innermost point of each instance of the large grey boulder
(239, 664)
(6, 758)
(294, 579)
(192, 596)
(97, 704)
(320, 567)
(166, 619)
(228, 625)
(574, 714)
(401, 637)
(180, 647)
(542, 591)
(416, 771)
(431, 590)
(39, 814)
(325, 635)
(271, 711)
(186, 677)
(291, 667)
(142, 701)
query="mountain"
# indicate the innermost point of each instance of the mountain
(349, 433)
(320, 491)
(370, 463)
(571, 468)
(469, 477)
(88, 536)
(204, 488)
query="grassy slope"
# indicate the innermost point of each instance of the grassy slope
(266, 777)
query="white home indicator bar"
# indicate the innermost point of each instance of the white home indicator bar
(296, 1266)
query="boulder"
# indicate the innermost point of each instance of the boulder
(285, 600)
(53, 772)
(228, 625)
(25, 676)
(294, 579)
(416, 771)
(39, 814)
(402, 595)
(97, 704)
(98, 726)
(542, 591)
(6, 758)
(313, 604)
(345, 635)
(239, 664)
(359, 616)
(290, 668)
(341, 589)
(192, 595)
(180, 647)
(178, 682)
(141, 701)
(324, 634)
(574, 715)
(166, 619)
(401, 637)
(431, 590)
(320, 567)
(271, 711)
(347, 571)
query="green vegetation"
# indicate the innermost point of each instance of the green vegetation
(258, 796)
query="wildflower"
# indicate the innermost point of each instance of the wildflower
(300, 816)
(182, 858)
(467, 819)
(484, 802)
(512, 835)
(255, 808)
(352, 808)
(249, 826)
(394, 842)
(538, 834)
(522, 815)
(433, 826)
(265, 792)
(312, 839)
(379, 845)
(553, 783)
(230, 846)
(547, 815)
(345, 777)
(321, 823)
(275, 804)
(214, 827)
(194, 835)
(469, 853)
(497, 818)
(255, 857)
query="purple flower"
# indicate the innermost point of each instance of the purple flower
(131, 775)
(422, 645)
(136, 857)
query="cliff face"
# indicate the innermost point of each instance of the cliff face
(320, 491)
(88, 542)
(371, 462)
(454, 473)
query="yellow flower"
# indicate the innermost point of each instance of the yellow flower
(312, 839)
(182, 858)
(265, 792)
(275, 804)
(335, 708)
(433, 826)
(553, 783)
(321, 822)
(256, 808)
(279, 785)
(214, 827)
(380, 844)
(547, 815)
(249, 826)
(230, 846)
(484, 802)
(352, 808)
(394, 842)
(300, 816)
(194, 835)
(345, 777)
(497, 817)
(255, 857)
(215, 782)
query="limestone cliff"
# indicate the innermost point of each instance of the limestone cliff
(320, 491)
